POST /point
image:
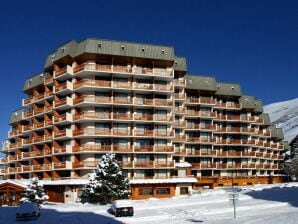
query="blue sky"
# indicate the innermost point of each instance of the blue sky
(250, 42)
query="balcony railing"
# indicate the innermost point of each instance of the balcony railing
(92, 99)
(92, 115)
(92, 131)
(92, 83)
(92, 148)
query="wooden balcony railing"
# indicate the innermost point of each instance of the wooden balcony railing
(92, 148)
(92, 99)
(92, 115)
(92, 131)
(92, 83)
(122, 116)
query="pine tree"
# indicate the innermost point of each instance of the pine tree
(35, 192)
(108, 182)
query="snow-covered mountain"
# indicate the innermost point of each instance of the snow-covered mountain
(285, 115)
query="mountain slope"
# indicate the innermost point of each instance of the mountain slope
(285, 115)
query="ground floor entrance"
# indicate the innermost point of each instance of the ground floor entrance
(10, 194)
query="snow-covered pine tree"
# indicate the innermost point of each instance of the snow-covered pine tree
(107, 183)
(35, 192)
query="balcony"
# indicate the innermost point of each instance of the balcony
(200, 100)
(160, 117)
(144, 164)
(48, 80)
(122, 148)
(143, 132)
(233, 117)
(15, 145)
(63, 118)
(122, 116)
(143, 117)
(63, 73)
(63, 103)
(92, 67)
(28, 114)
(163, 148)
(92, 132)
(65, 87)
(162, 133)
(92, 116)
(159, 87)
(85, 164)
(90, 83)
(179, 82)
(92, 148)
(92, 100)
(27, 128)
(13, 133)
(143, 148)
(144, 101)
(43, 138)
(121, 132)
(62, 165)
(66, 133)
(163, 102)
(122, 69)
(143, 86)
(122, 100)
(122, 85)
(164, 164)
(41, 167)
(163, 72)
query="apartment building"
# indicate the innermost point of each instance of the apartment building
(170, 131)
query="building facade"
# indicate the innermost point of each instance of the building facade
(170, 131)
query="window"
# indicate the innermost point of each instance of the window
(146, 191)
(162, 190)
(183, 190)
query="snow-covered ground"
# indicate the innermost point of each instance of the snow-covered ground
(277, 203)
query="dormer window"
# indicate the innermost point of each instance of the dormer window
(99, 45)
(162, 51)
(143, 50)
(53, 57)
(232, 87)
(62, 49)
(122, 47)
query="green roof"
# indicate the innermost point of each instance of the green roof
(180, 64)
(34, 81)
(280, 134)
(258, 106)
(247, 102)
(16, 116)
(200, 82)
(266, 119)
(109, 47)
(228, 89)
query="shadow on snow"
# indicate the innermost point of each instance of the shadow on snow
(7, 216)
(287, 194)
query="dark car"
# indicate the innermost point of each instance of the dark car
(28, 211)
(122, 208)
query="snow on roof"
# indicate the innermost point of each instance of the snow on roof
(65, 182)
(21, 183)
(183, 164)
(165, 180)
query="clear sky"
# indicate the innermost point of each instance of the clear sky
(251, 42)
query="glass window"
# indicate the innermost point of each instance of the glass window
(162, 190)
(146, 191)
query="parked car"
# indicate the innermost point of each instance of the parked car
(122, 208)
(28, 211)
